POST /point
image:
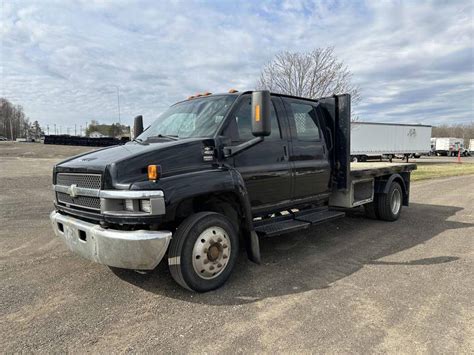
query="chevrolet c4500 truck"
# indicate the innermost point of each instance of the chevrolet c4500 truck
(216, 171)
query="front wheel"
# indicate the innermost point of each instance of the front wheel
(203, 251)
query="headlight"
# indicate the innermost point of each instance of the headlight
(128, 205)
(145, 206)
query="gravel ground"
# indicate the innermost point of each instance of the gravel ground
(354, 285)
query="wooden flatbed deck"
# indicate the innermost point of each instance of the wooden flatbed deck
(374, 169)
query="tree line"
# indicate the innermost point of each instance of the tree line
(113, 130)
(465, 131)
(15, 124)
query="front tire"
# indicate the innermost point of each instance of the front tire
(203, 251)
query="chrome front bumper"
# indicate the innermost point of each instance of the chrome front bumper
(139, 250)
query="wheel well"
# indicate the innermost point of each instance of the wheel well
(226, 203)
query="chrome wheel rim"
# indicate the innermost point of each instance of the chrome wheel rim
(396, 201)
(211, 252)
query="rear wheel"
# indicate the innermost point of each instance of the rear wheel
(389, 206)
(386, 207)
(203, 251)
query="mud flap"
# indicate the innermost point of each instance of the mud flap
(253, 248)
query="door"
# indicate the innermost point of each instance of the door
(264, 167)
(309, 158)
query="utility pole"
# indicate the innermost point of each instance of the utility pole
(55, 131)
(80, 130)
(75, 131)
(47, 129)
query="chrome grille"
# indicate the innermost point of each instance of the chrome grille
(92, 203)
(89, 181)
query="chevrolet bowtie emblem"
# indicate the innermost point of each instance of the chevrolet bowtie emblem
(72, 190)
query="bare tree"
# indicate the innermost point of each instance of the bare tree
(13, 121)
(310, 74)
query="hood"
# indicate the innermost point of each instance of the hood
(125, 164)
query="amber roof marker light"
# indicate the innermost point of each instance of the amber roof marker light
(233, 91)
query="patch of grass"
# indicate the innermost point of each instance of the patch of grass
(433, 171)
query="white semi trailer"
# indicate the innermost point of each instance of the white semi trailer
(373, 140)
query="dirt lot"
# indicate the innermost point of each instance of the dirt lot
(354, 285)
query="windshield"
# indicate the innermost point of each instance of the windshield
(193, 118)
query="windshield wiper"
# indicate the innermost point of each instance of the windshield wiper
(139, 141)
(169, 136)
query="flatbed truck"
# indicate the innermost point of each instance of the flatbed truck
(214, 172)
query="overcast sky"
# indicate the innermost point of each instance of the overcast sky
(62, 60)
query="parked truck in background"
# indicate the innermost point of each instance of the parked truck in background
(374, 140)
(214, 171)
(471, 146)
(448, 146)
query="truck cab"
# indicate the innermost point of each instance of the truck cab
(213, 172)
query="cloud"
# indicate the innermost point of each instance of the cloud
(63, 60)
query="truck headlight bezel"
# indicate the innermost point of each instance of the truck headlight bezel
(132, 203)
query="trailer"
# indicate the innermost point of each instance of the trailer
(471, 146)
(375, 140)
(448, 146)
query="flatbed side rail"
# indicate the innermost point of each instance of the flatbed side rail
(361, 170)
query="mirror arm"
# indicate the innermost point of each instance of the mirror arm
(233, 150)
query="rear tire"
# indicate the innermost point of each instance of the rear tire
(389, 206)
(203, 251)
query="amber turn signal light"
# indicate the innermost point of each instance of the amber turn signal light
(257, 113)
(153, 172)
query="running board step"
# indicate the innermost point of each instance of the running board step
(318, 216)
(276, 228)
(294, 222)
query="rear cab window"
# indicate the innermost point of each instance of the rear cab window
(304, 121)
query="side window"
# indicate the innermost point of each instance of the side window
(306, 122)
(240, 128)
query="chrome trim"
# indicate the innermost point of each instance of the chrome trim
(130, 194)
(81, 174)
(80, 191)
(112, 194)
(139, 250)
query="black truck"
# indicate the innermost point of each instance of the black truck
(216, 171)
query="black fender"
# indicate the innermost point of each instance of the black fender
(382, 185)
(216, 181)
